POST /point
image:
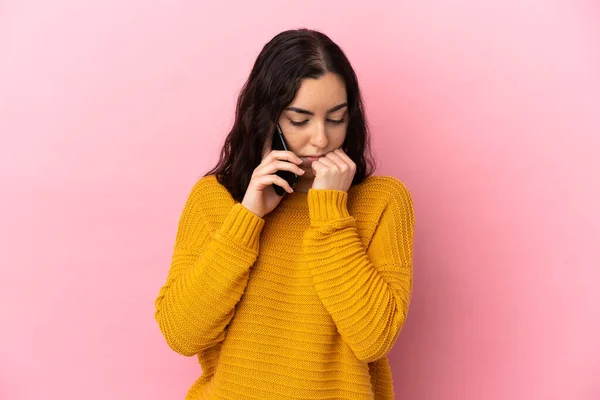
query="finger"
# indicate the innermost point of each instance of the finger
(318, 166)
(337, 160)
(323, 167)
(345, 157)
(342, 154)
(283, 155)
(265, 181)
(328, 162)
(276, 165)
(279, 181)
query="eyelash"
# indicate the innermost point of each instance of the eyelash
(333, 121)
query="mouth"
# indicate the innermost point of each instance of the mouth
(312, 158)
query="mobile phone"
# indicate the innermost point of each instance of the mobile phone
(291, 178)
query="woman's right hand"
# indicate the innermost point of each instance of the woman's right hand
(260, 197)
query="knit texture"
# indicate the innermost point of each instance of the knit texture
(304, 303)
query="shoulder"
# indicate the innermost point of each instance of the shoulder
(389, 185)
(379, 198)
(210, 199)
(384, 191)
(208, 189)
(381, 201)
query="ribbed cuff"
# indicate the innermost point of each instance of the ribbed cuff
(243, 226)
(327, 204)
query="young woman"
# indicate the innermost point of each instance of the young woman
(299, 295)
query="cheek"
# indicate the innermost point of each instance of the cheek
(295, 143)
(340, 139)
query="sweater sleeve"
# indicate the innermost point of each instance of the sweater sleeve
(365, 290)
(208, 275)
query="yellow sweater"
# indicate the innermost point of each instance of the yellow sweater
(304, 303)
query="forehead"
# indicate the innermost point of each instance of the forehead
(321, 94)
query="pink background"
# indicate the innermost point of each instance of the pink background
(489, 111)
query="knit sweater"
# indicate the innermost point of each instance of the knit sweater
(303, 303)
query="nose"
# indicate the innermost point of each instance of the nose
(319, 136)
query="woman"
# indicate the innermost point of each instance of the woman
(298, 296)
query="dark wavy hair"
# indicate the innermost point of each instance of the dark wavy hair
(284, 61)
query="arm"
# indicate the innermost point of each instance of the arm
(366, 291)
(208, 275)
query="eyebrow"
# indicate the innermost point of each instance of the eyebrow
(303, 111)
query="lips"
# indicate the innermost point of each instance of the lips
(314, 157)
(311, 159)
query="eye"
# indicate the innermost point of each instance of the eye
(298, 123)
(333, 121)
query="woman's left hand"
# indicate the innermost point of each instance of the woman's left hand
(335, 170)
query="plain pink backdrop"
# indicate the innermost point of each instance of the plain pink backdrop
(487, 110)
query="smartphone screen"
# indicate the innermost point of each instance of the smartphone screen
(280, 144)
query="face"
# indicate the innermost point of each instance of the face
(316, 121)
